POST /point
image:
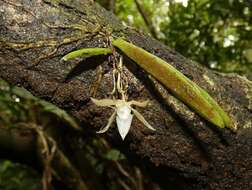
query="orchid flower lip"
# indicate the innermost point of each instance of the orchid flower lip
(123, 114)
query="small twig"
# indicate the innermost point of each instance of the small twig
(146, 19)
(48, 157)
(48, 150)
(97, 83)
(124, 185)
(120, 167)
(109, 5)
(139, 179)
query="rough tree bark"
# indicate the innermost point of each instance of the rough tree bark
(185, 150)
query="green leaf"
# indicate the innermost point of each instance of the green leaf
(86, 52)
(114, 155)
(18, 177)
(46, 106)
(182, 87)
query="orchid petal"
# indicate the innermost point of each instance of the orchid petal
(123, 125)
(141, 118)
(123, 111)
(110, 121)
(139, 104)
(103, 102)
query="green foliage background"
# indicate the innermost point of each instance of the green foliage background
(14, 176)
(215, 33)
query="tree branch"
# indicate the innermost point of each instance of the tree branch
(185, 149)
(109, 5)
(146, 19)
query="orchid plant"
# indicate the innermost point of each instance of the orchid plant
(122, 114)
(123, 108)
(176, 82)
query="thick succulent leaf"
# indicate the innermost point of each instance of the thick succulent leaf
(226, 119)
(86, 52)
(176, 82)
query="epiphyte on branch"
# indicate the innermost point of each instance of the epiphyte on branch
(86, 52)
(182, 87)
(175, 81)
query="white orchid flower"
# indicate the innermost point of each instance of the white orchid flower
(122, 114)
